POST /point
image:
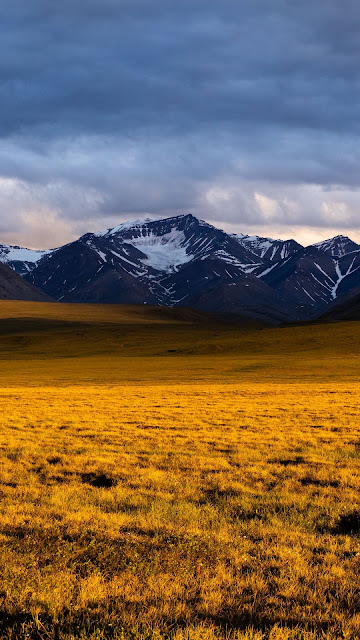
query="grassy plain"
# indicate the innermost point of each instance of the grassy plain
(165, 478)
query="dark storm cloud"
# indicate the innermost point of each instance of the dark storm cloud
(114, 107)
(123, 67)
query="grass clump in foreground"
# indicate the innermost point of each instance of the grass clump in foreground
(224, 508)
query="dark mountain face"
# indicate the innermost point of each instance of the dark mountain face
(250, 296)
(347, 308)
(14, 287)
(314, 278)
(185, 261)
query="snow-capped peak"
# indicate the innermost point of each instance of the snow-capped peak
(124, 226)
(338, 246)
(169, 243)
(164, 241)
(12, 254)
(136, 224)
(21, 259)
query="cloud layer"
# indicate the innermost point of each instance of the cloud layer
(245, 113)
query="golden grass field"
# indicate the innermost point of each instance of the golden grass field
(164, 478)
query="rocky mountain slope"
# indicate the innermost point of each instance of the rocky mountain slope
(14, 287)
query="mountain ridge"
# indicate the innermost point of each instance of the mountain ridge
(181, 260)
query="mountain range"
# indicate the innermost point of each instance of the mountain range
(183, 261)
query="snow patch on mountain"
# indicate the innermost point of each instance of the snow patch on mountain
(164, 253)
(341, 276)
(11, 254)
(262, 245)
(267, 270)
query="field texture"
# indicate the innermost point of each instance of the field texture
(168, 479)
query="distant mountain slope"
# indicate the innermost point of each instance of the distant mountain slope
(140, 262)
(167, 244)
(14, 287)
(267, 248)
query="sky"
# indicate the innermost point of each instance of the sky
(245, 113)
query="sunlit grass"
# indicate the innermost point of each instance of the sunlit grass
(172, 507)
(225, 506)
